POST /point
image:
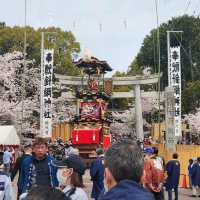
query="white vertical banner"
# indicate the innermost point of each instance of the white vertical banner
(175, 82)
(46, 93)
(169, 68)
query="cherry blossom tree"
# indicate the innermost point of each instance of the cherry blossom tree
(12, 98)
(123, 124)
(194, 121)
(20, 91)
(147, 104)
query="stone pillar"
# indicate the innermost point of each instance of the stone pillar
(138, 113)
(169, 119)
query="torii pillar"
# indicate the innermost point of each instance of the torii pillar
(138, 113)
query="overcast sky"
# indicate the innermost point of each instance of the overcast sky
(112, 29)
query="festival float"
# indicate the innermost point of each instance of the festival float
(91, 125)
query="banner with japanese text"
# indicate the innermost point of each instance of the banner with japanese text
(46, 92)
(174, 77)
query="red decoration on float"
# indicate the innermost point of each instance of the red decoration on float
(85, 136)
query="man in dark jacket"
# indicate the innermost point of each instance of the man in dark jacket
(38, 170)
(97, 174)
(123, 170)
(173, 175)
(191, 162)
(195, 176)
(17, 167)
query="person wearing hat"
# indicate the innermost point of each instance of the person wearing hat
(153, 173)
(27, 152)
(97, 174)
(69, 174)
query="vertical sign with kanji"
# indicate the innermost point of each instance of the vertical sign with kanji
(175, 82)
(169, 119)
(46, 93)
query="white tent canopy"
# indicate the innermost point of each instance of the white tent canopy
(8, 136)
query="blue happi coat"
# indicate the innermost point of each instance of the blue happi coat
(28, 173)
(195, 174)
(173, 174)
(97, 176)
(127, 190)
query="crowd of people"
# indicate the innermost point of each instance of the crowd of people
(124, 171)
(190, 140)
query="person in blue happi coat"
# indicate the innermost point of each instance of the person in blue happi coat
(191, 163)
(173, 175)
(195, 177)
(37, 169)
(97, 174)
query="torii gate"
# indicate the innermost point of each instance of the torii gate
(135, 81)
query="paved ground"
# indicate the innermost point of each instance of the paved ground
(184, 194)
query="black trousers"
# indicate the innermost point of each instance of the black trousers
(158, 195)
(19, 192)
(175, 192)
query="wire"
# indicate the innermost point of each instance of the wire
(74, 24)
(23, 92)
(100, 27)
(187, 54)
(125, 23)
(198, 6)
(158, 49)
(154, 52)
(187, 6)
(180, 42)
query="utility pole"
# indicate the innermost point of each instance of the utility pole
(23, 92)
(158, 49)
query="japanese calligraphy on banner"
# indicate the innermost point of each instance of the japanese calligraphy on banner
(169, 119)
(46, 92)
(174, 79)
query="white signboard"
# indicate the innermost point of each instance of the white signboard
(46, 93)
(174, 77)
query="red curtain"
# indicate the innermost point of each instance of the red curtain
(106, 141)
(82, 136)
